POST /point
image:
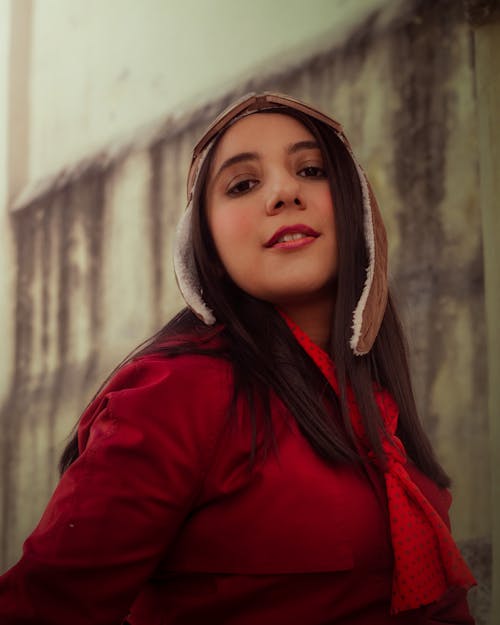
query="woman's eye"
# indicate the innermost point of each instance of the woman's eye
(243, 186)
(312, 171)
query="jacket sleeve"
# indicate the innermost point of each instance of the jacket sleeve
(145, 445)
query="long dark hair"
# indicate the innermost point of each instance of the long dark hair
(266, 357)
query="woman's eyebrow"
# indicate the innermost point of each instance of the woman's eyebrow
(303, 145)
(237, 158)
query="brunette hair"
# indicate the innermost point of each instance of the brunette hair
(266, 357)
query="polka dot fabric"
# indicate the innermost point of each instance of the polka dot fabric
(426, 559)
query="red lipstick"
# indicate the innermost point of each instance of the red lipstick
(277, 238)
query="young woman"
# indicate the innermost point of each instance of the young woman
(261, 461)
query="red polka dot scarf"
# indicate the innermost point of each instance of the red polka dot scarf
(426, 559)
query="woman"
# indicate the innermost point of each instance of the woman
(261, 460)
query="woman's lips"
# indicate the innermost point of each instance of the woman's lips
(294, 243)
(294, 236)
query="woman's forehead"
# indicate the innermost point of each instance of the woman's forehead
(259, 132)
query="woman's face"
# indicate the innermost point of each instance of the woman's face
(270, 210)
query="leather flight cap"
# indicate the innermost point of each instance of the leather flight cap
(370, 308)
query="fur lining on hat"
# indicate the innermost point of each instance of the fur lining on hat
(357, 317)
(185, 270)
(186, 273)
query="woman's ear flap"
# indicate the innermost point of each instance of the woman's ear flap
(186, 273)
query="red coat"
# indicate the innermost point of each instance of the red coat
(161, 517)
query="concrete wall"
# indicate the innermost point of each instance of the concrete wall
(487, 43)
(92, 255)
(117, 64)
(7, 266)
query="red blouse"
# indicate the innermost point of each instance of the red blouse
(162, 519)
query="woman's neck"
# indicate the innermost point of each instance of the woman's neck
(313, 318)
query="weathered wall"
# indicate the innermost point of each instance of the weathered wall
(487, 43)
(138, 61)
(93, 256)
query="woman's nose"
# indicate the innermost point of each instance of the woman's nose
(285, 191)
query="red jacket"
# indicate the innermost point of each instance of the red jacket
(162, 519)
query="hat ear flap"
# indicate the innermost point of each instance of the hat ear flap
(370, 309)
(186, 273)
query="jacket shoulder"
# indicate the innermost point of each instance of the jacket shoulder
(158, 392)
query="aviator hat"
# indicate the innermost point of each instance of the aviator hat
(370, 308)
